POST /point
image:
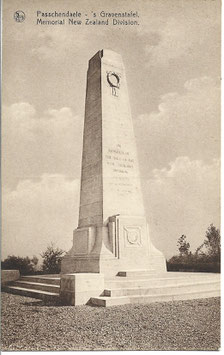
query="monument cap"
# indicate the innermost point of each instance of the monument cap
(107, 56)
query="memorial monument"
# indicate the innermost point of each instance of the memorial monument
(113, 260)
(112, 233)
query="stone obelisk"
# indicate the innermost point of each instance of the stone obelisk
(112, 233)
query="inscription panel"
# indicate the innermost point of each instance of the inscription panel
(120, 170)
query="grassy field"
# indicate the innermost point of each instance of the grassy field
(29, 324)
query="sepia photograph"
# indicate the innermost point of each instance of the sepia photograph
(110, 137)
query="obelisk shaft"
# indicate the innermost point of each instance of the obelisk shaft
(110, 182)
(91, 194)
(112, 233)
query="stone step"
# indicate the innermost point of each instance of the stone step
(115, 301)
(46, 279)
(192, 274)
(37, 286)
(49, 296)
(168, 289)
(163, 280)
(136, 273)
(154, 275)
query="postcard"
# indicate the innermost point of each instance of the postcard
(111, 175)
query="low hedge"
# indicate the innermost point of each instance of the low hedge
(194, 267)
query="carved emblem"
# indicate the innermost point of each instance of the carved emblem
(133, 236)
(114, 82)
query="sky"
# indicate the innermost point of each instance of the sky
(172, 63)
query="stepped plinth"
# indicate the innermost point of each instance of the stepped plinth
(131, 286)
(143, 286)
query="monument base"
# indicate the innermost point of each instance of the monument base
(77, 289)
(124, 244)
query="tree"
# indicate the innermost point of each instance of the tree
(199, 250)
(26, 266)
(52, 259)
(183, 245)
(206, 257)
(213, 242)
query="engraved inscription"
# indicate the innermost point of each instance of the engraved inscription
(120, 159)
(121, 165)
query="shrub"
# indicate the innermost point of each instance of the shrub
(212, 243)
(193, 262)
(52, 260)
(183, 245)
(26, 266)
(194, 267)
(206, 257)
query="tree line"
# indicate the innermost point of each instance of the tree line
(206, 257)
(51, 257)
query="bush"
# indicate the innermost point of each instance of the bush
(206, 257)
(213, 242)
(193, 262)
(183, 245)
(26, 266)
(199, 267)
(52, 260)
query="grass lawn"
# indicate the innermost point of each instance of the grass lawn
(29, 324)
